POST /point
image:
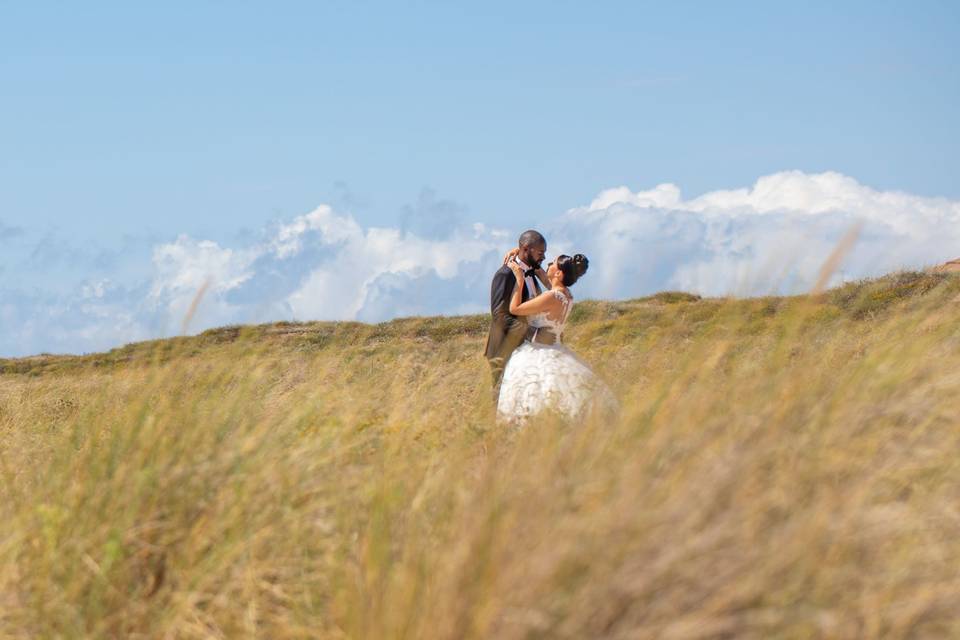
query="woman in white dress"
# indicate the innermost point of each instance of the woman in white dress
(542, 373)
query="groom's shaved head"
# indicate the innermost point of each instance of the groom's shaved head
(531, 237)
(533, 246)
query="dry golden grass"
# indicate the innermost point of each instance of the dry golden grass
(782, 468)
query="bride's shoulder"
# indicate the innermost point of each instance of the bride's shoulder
(563, 296)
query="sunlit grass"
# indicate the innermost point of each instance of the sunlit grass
(782, 467)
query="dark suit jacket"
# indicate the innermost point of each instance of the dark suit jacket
(506, 330)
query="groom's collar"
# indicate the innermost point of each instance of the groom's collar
(523, 264)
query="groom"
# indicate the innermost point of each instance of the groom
(507, 330)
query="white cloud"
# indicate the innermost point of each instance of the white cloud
(182, 268)
(770, 237)
(322, 265)
(330, 229)
(339, 287)
(662, 196)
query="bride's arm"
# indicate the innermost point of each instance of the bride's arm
(540, 273)
(516, 296)
(544, 280)
(542, 302)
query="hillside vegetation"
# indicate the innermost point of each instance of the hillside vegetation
(781, 468)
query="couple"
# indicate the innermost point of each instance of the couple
(532, 370)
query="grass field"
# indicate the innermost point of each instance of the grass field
(781, 468)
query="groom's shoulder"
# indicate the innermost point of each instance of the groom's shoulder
(502, 271)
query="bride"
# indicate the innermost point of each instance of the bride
(542, 373)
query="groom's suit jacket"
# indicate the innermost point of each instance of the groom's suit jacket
(506, 330)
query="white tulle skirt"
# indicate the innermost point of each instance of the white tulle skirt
(540, 377)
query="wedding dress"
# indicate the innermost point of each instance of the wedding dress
(550, 376)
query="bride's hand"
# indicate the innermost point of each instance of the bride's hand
(517, 271)
(510, 254)
(543, 278)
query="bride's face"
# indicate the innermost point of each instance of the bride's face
(554, 273)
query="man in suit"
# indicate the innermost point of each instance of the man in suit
(507, 330)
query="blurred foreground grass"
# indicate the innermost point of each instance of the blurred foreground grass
(783, 467)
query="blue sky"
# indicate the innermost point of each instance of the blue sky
(124, 126)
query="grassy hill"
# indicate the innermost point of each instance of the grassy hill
(782, 467)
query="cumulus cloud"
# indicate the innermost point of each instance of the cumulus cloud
(183, 267)
(324, 265)
(770, 237)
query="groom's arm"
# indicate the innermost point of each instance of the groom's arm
(500, 291)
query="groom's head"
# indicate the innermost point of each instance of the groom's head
(532, 247)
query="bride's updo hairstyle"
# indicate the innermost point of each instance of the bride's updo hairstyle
(572, 268)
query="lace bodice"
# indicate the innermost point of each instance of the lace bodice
(541, 321)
